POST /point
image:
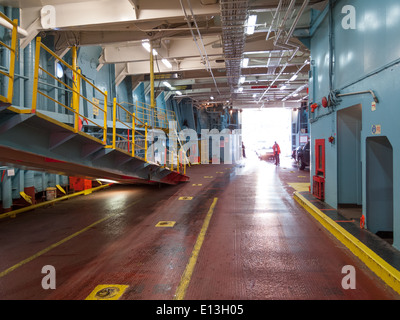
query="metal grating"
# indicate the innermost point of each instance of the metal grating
(233, 19)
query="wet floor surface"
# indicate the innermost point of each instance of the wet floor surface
(259, 243)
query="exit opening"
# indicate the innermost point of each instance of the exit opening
(262, 127)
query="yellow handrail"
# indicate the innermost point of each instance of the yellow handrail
(136, 136)
(77, 78)
(153, 116)
(136, 126)
(12, 48)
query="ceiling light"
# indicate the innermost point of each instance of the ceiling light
(240, 89)
(179, 93)
(251, 24)
(242, 79)
(245, 62)
(212, 98)
(167, 63)
(283, 88)
(147, 46)
(165, 83)
(294, 77)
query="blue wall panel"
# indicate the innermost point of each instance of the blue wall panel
(366, 58)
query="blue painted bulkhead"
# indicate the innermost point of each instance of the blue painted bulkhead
(351, 61)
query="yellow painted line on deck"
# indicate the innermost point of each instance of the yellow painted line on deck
(107, 292)
(54, 245)
(389, 274)
(187, 274)
(197, 184)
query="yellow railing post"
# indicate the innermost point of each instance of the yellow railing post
(114, 122)
(78, 89)
(75, 96)
(152, 100)
(177, 159)
(36, 74)
(133, 134)
(105, 118)
(14, 35)
(145, 142)
(171, 158)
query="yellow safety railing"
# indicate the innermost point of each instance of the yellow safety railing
(12, 48)
(130, 130)
(134, 141)
(74, 88)
(155, 118)
(133, 138)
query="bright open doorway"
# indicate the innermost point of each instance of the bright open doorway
(262, 127)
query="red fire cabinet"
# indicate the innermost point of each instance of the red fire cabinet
(319, 177)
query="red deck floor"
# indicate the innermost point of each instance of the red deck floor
(260, 244)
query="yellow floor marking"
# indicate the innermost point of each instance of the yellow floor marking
(185, 198)
(300, 186)
(54, 245)
(301, 176)
(166, 224)
(187, 274)
(219, 172)
(197, 185)
(107, 292)
(208, 177)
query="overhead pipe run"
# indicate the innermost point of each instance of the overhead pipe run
(22, 32)
(206, 60)
(360, 92)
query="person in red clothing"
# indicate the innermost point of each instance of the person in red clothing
(277, 151)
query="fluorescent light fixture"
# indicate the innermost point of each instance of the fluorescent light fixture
(245, 62)
(146, 45)
(107, 180)
(179, 93)
(165, 83)
(294, 77)
(242, 79)
(240, 89)
(251, 24)
(167, 63)
(283, 88)
(254, 95)
(212, 98)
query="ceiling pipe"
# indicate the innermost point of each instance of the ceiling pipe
(205, 59)
(22, 32)
(273, 19)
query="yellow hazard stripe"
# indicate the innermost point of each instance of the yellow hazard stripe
(389, 274)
